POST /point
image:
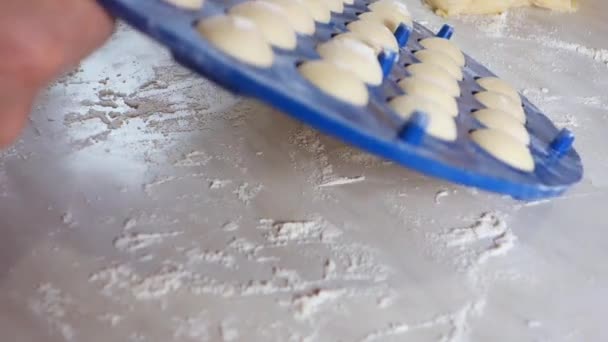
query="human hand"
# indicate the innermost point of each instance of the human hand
(39, 39)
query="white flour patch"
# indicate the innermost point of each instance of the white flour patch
(191, 328)
(115, 280)
(230, 226)
(195, 255)
(133, 242)
(301, 232)
(246, 192)
(227, 332)
(215, 184)
(112, 319)
(52, 305)
(309, 304)
(342, 181)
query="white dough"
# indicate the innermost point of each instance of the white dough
(496, 100)
(349, 2)
(454, 7)
(238, 37)
(391, 20)
(318, 9)
(442, 60)
(497, 119)
(389, 13)
(441, 125)
(435, 74)
(505, 148)
(384, 6)
(187, 4)
(500, 86)
(354, 56)
(374, 33)
(297, 14)
(270, 19)
(336, 6)
(429, 90)
(335, 81)
(445, 46)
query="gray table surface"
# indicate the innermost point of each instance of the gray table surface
(145, 204)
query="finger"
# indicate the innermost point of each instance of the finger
(13, 116)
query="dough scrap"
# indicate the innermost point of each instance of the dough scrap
(505, 148)
(354, 56)
(335, 81)
(238, 37)
(270, 19)
(454, 7)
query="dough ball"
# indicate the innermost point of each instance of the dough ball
(385, 6)
(318, 9)
(505, 148)
(238, 37)
(437, 75)
(335, 81)
(336, 6)
(270, 20)
(497, 85)
(297, 14)
(441, 125)
(499, 120)
(375, 34)
(354, 56)
(496, 100)
(187, 4)
(430, 91)
(445, 46)
(442, 60)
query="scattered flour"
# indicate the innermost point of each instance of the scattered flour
(228, 333)
(53, 306)
(302, 232)
(218, 184)
(192, 328)
(309, 304)
(246, 192)
(230, 226)
(195, 255)
(133, 242)
(342, 181)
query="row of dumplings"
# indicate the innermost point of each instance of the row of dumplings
(349, 62)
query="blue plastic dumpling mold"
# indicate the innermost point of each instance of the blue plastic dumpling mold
(375, 128)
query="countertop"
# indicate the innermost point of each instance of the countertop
(145, 204)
